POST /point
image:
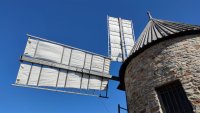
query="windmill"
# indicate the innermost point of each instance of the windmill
(52, 66)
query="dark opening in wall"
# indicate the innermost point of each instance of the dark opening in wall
(173, 98)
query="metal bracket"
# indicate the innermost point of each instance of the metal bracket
(115, 78)
(119, 107)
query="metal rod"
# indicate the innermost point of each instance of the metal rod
(91, 63)
(59, 68)
(109, 53)
(84, 61)
(81, 80)
(58, 78)
(107, 90)
(122, 40)
(70, 57)
(118, 108)
(36, 48)
(88, 83)
(123, 108)
(66, 79)
(101, 85)
(39, 75)
(115, 78)
(62, 55)
(103, 65)
(149, 15)
(133, 34)
(82, 72)
(29, 74)
(89, 74)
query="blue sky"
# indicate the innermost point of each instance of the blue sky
(79, 23)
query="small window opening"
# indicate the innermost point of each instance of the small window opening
(173, 98)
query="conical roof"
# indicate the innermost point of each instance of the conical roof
(158, 29)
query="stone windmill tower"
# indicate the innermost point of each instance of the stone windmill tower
(162, 74)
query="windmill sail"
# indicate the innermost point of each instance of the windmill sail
(121, 38)
(39, 75)
(53, 65)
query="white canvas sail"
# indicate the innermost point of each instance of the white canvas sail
(121, 38)
(37, 75)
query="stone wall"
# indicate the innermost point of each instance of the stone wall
(177, 58)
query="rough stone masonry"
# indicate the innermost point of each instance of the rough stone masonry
(170, 60)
